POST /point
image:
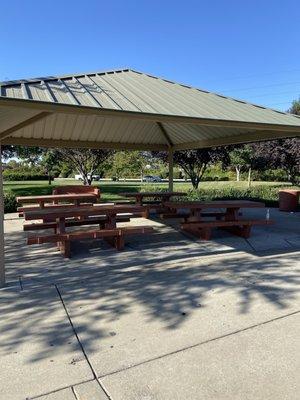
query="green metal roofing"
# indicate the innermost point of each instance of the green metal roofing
(188, 116)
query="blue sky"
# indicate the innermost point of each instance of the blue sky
(244, 49)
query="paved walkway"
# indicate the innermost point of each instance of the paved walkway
(168, 318)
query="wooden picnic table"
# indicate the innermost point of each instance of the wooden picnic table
(229, 220)
(109, 231)
(76, 199)
(60, 215)
(162, 196)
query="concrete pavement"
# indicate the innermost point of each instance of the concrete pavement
(168, 318)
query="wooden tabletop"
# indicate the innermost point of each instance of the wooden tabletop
(214, 204)
(67, 212)
(56, 197)
(152, 194)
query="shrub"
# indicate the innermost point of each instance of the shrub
(267, 194)
(23, 176)
(10, 203)
(271, 175)
(264, 193)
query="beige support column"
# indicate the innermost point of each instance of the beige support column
(171, 162)
(2, 265)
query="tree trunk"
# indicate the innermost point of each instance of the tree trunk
(292, 176)
(195, 182)
(49, 179)
(237, 170)
(249, 177)
(85, 179)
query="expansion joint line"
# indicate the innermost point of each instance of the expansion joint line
(80, 344)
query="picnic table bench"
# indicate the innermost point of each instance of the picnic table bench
(108, 230)
(96, 220)
(77, 189)
(228, 220)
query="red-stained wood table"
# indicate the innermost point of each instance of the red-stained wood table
(199, 226)
(75, 198)
(160, 198)
(55, 201)
(108, 231)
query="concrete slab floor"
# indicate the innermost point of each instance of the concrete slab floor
(90, 391)
(39, 352)
(135, 310)
(131, 317)
(261, 363)
(64, 394)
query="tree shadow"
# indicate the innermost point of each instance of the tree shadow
(169, 281)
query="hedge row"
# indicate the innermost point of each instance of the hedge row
(267, 194)
(23, 176)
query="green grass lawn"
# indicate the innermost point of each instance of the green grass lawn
(110, 190)
(266, 192)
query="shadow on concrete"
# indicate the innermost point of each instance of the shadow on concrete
(170, 284)
(168, 275)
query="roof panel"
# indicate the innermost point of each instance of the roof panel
(133, 91)
(124, 106)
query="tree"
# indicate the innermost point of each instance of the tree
(128, 164)
(31, 155)
(246, 157)
(295, 108)
(85, 161)
(282, 153)
(237, 160)
(241, 158)
(49, 161)
(195, 162)
(8, 151)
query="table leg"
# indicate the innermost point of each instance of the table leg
(61, 228)
(119, 242)
(195, 216)
(66, 248)
(115, 241)
(139, 200)
(201, 233)
(146, 213)
(111, 221)
(166, 212)
(231, 214)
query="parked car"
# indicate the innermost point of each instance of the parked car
(152, 178)
(95, 177)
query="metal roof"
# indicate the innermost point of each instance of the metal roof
(130, 109)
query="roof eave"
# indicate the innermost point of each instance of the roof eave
(163, 118)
